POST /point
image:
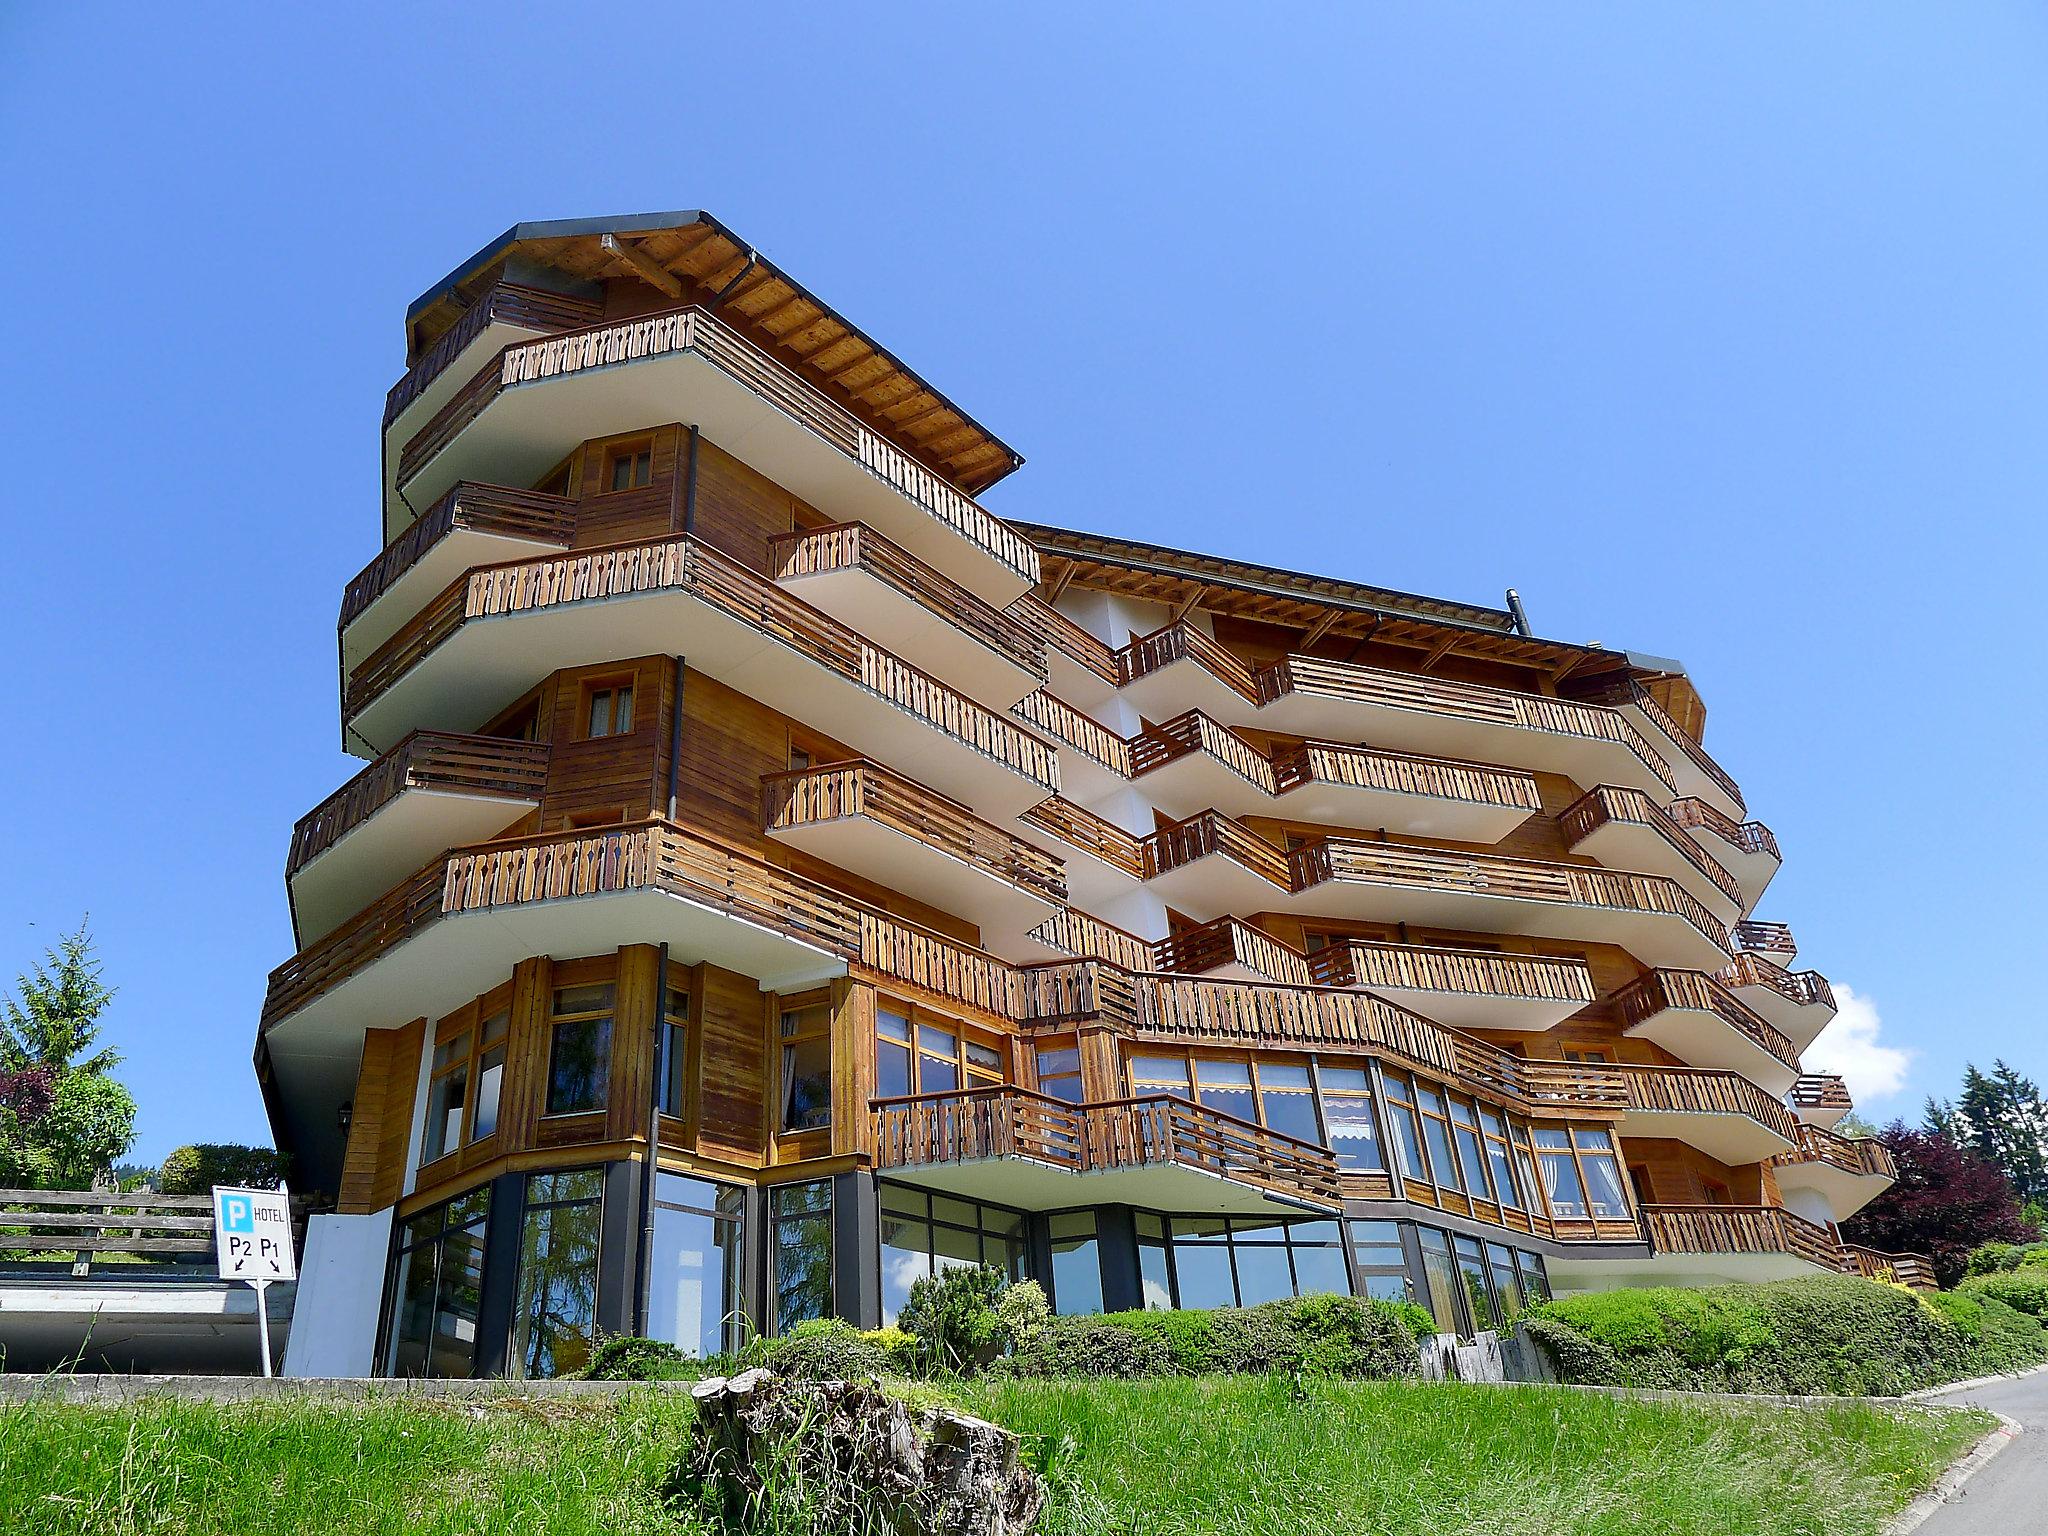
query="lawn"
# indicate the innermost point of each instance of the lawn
(1222, 1455)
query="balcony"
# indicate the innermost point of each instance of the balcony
(507, 314)
(1915, 1270)
(1626, 829)
(1748, 850)
(431, 791)
(861, 579)
(1190, 764)
(488, 638)
(884, 827)
(1743, 1242)
(1848, 1172)
(1694, 771)
(1094, 760)
(1466, 989)
(1650, 915)
(1798, 1004)
(1229, 949)
(1210, 865)
(1725, 1116)
(1820, 1098)
(1767, 941)
(472, 525)
(1695, 1018)
(1179, 667)
(532, 404)
(1079, 665)
(1013, 1147)
(1104, 862)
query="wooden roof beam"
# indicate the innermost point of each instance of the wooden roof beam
(1187, 604)
(1320, 628)
(1058, 584)
(643, 266)
(1439, 651)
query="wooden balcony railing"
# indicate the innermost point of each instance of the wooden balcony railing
(1418, 968)
(1623, 690)
(1487, 874)
(1069, 726)
(722, 583)
(1821, 1091)
(1191, 732)
(834, 791)
(855, 546)
(1745, 836)
(1707, 1091)
(495, 509)
(690, 329)
(1183, 642)
(435, 760)
(1461, 701)
(1914, 1270)
(532, 309)
(1772, 941)
(1089, 938)
(1444, 778)
(1802, 988)
(1230, 941)
(1721, 1229)
(1062, 634)
(1862, 1155)
(1157, 1130)
(1609, 805)
(1081, 828)
(1697, 992)
(1209, 832)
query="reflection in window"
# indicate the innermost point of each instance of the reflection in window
(1380, 1263)
(490, 1075)
(1155, 1271)
(447, 1095)
(807, 1068)
(675, 1052)
(1217, 1261)
(1059, 1072)
(1443, 1290)
(1472, 1274)
(1560, 1173)
(1076, 1264)
(554, 1320)
(923, 1234)
(436, 1283)
(1602, 1174)
(800, 1216)
(580, 1050)
(694, 1301)
(1354, 1135)
(1407, 1127)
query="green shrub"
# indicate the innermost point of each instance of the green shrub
(897, 1347)
(1996, 1258)
(2007, 1340)
(2024, 1289)
(1420, 1322)
(1344, 1336)
(1826, 1334)
(824, 1349)
(953, 1316)
(1023, 1311)
(627, 1358)
(195, 1169)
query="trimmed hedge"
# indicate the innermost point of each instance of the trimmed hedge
(1820, 1335)
(1343, 1336)
(824, 1349)
(1993, 1258)
(2024, 1289)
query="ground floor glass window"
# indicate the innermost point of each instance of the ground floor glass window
(800, 1252)
(923, 1234)
(694, 1299)
(1076, 1263)
(436, 1286)
(1237, 1261)
(554, 1319)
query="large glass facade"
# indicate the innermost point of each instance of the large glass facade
(1237, 1261)
(436, 1287)
(923, 1234)
(1467, 1285)
(694, 1297)
(555, 1316)
(800, 1251)
(1076, 1263)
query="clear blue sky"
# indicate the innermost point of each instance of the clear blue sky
(1719, 334)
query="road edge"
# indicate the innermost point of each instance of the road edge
(1950, 1485)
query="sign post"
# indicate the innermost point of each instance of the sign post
(253, 1240)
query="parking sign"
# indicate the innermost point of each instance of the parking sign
(253, 1234)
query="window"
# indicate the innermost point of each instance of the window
(447, 1097)
(1472, 1164)
(1581, 1175)
(1378, 1261)
(694, 1300)
(1443, 1291)
(490, 1077)
(608, 709)
(1076, 1264)
(807, 1068)
(924, 1234)
(1507, 1285)
(627, 466)
(1160, 1074)
(1218, 1261)
(1226, 1085)
(1287, 1100)
(800, 1252)
(437, 1281)
(1499, 1159)
(554, 1318)
(1407, 1127)
(1436, 1136)
(675, 1052)
(580, 1049)
(799, 759)
(1561, 1183)
(916, 1052)
(1535, 1278)
(1059, 1072)
(1479, 1306)
(1595, 1058)
(1353, 1130)
(1602, 1172)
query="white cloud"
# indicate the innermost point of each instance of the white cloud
(1850, 1046)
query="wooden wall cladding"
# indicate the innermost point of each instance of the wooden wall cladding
(731, 1017)
(380, 1131)
(1683, 1175)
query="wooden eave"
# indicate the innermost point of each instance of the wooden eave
(761, 302)
(1322, 607)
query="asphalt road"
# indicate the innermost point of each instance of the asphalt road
(2010, 1496)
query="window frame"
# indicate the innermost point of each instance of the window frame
(613, 691)
(637, 454)
(471, 1018)
(784, 1009)
(566, 979)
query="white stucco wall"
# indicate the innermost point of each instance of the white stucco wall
(341, 1290)
(1810, 1203)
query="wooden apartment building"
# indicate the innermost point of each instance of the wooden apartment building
(776, 877)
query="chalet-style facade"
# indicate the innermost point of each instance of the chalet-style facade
(910, 887)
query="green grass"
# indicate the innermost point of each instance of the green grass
(1241, 1456)
(1230, 1456)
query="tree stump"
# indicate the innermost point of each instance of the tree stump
(851, 1458)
